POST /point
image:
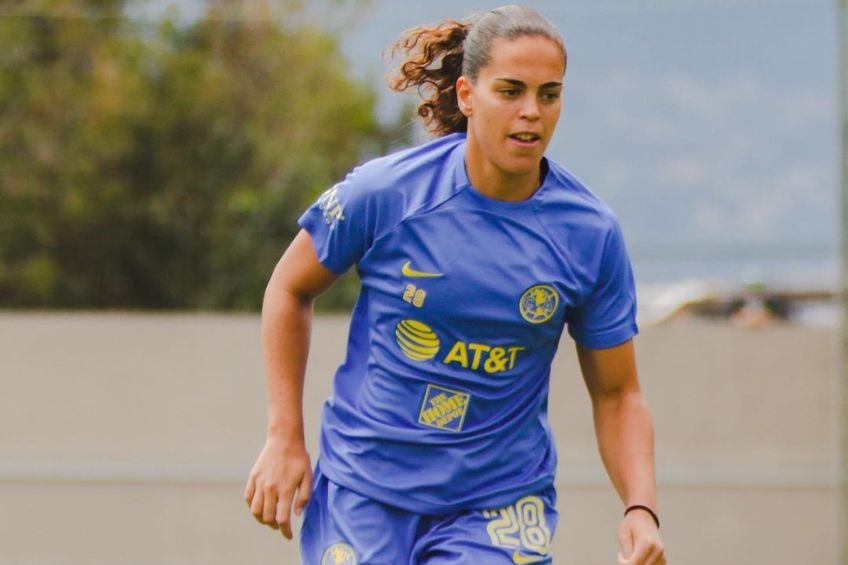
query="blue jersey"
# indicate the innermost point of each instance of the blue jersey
(441, 402)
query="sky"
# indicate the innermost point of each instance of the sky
(709, 126)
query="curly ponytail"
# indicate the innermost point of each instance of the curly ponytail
(426, 47)
(436, 56)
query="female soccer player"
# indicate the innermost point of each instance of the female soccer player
(474, 252)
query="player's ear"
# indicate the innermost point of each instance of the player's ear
(464, 88)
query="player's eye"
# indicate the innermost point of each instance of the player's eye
(550, 95)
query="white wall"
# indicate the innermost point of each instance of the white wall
(127, 438)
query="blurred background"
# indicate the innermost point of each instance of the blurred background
(154, 158)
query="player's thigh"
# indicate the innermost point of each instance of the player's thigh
(341, 527)
(517, 534)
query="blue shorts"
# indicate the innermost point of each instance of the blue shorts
(342, 527)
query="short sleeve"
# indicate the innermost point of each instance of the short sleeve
(341, 222)
(607, 315)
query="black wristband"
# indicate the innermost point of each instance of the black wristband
(646, 509)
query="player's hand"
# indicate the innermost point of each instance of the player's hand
(282, 475)
(639, 540)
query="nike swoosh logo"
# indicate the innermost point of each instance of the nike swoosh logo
(521, 559)
(408, 271)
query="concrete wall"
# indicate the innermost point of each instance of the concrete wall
(127, 439)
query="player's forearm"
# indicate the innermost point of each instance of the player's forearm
(286, 328)
(626, 441)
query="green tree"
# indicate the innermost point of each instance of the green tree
(165, 166)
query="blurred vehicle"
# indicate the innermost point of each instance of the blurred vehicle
(753, 305)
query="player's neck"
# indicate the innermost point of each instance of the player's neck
(498, 184)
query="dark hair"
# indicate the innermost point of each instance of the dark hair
(437, 55)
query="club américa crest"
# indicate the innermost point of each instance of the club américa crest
(339, 554)
(539, 303)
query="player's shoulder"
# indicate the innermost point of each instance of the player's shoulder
(429, 154)
(388, 172)
(401, 180)
(570, 200)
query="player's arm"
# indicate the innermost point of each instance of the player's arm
(626, 442)
(282, 474)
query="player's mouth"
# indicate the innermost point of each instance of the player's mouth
(526, 138)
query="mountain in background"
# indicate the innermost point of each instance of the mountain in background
(710, 127)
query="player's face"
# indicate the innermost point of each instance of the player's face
(512, 110)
